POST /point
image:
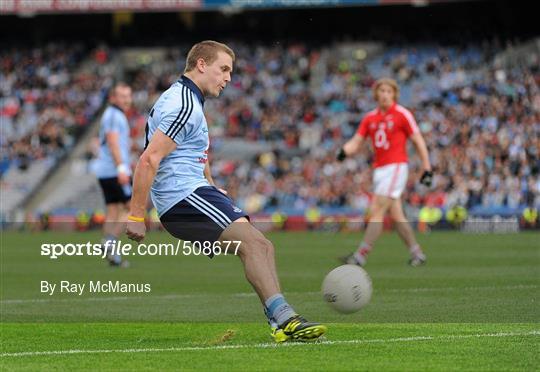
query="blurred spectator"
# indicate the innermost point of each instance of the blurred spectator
(481, 121)
(46, 99)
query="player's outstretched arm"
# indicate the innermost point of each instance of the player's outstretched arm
(351, 147)
(160, 146)
(421, 147)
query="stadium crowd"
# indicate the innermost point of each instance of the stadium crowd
(481, 121)
(47, 96)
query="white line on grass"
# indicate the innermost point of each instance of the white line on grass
(253, 294)
(488, 288)
(273, 345)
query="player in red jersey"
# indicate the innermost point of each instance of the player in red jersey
(389, 126)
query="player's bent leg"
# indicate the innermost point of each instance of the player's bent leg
(257, 255)
(209, 215)
(259, 237)
(254, 251)
(406, 233)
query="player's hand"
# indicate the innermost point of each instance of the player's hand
(135, 230)
(123, 178)
(123, 174)
(223, 191)
(341, 155)
(427, 178)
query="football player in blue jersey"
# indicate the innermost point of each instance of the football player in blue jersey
(112, 167)
(174, 168)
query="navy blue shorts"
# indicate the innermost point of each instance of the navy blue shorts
(113, 191)
(202, 216)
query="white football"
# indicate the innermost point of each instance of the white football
(347, 288)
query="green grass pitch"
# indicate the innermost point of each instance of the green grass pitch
(474, 306)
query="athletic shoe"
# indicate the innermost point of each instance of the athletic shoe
(298, 328)
(278, 335)
(417, 260)
(117, 262)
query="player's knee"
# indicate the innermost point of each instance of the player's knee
(376, 213)
(379, 207)
(259, 246)
(397, 216)
(263, 246)
(269, 247)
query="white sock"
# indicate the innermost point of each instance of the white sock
(416, 251)
(360, 258)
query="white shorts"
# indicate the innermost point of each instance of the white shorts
(390, 180)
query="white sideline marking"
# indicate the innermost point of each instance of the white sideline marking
(252, 294)
(273, 345)
(490, 287)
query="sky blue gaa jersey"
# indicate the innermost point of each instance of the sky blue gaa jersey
(178, 113)
(113, 120)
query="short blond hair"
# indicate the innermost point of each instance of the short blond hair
(207, 50)
(386, 81)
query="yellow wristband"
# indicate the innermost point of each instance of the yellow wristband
(136, 219)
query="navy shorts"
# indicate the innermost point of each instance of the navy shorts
(113, 191)
(201, 216)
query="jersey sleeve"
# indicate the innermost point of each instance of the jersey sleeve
(409, 124)
(363, 127)
(177, 117)
(112, 123)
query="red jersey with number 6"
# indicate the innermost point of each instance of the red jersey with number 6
(389, 132)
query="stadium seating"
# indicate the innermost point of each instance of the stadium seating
(480, 118)
(481, 122)
(49, 96)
